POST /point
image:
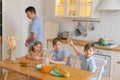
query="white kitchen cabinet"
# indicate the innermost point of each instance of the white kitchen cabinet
(115, 66)
(75, 8)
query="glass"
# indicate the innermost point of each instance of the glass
(72, 7)
(45, 65)
(88, 10)
(59, 9)
(82, 10)
(85, 7)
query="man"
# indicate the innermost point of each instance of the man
(36, 27)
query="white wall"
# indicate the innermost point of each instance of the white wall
(16, 22)
(109, 25)
(38, 4)
(11, 22)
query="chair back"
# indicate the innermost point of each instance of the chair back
(48, 52)
(73, 59)
(100, 67)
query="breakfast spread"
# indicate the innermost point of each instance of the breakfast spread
(45, 68)
(62, 71)
(24, 63)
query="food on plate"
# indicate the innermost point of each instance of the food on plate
(24, 63)
(62, 71)
(45, 68)
(38, 66)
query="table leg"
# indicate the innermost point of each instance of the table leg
(28, 78)
(6, 75)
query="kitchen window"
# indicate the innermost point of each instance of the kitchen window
(75, 8)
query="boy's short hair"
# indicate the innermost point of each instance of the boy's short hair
(89, 45)
(55, 41)
(30, 9)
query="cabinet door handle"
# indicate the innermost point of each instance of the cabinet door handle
(118, 62)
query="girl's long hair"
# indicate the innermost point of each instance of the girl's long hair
(35, 43)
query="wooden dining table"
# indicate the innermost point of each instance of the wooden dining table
(31, 71)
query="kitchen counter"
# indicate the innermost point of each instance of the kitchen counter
(83, 42)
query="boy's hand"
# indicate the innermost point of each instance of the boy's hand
(70, 41)
(51, 61)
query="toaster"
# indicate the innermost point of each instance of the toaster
(65, 34)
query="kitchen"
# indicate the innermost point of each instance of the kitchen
(15, 21)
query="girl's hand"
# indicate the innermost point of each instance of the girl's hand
(36, 57)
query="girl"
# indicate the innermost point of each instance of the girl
(36, 52)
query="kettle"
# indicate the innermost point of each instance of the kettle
(105, 41)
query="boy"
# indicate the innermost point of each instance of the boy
(60, 55)
(87, 60)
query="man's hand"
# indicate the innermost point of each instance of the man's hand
(27, 44)
(30, 39)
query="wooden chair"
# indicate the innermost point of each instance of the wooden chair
(100, 67)
(48, 52)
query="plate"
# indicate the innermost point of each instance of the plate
(55, 73)
(38, 66)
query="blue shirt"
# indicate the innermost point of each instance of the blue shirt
(60, 55)
(37, 28)
(88, 64)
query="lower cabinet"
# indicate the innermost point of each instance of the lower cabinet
(115, 70)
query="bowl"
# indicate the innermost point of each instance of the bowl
(39, 66)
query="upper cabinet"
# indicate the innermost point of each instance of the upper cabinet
(74, 8)
(59, 8)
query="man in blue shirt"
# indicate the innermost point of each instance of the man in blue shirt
(36, 27)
